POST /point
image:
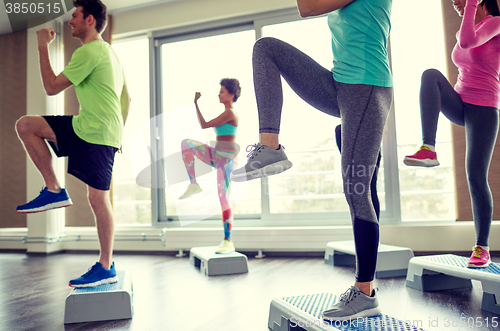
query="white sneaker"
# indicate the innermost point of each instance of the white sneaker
(263, 161)
(191, 190)
(353, 304)
(225, 247)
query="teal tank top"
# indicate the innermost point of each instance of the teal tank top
(225, 129)
(360, 33)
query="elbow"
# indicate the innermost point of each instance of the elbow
(465, 45)
(50, 91)
(305, 12)
(205, 125)
(313, 8)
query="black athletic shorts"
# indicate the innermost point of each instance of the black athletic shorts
(91, 163)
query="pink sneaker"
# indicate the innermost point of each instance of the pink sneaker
(423, 158)
(479, 258)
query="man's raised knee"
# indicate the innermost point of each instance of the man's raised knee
(22, 125)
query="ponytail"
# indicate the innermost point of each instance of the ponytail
(492, 7)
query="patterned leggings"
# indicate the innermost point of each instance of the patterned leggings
(224, 162)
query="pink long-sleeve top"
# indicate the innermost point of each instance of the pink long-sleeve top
(477, 56)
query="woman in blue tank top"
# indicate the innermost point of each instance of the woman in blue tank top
(222, 157)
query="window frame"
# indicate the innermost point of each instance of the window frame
(392, 212)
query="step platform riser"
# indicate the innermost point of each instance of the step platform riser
(304, 313)
(101, 303)
(445, 272)
(212, 264)
(392, 261)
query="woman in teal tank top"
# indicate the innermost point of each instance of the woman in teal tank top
(222, 157)
(358, 90)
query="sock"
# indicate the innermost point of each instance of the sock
(432, 148)
(56, 192)
(276, 149)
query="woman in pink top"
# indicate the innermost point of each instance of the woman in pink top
(473, 103)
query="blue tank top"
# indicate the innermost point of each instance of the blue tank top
(225, 129)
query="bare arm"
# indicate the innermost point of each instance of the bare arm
(223, 118)
(52, 84)
(202, 121)
(125, 103)
(309, 8)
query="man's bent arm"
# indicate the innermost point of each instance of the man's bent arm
(52, 84)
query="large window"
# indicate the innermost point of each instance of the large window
(197, 65)
(311, 189)
(426, 193)
(195, 59)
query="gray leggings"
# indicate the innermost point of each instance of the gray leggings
(481, 128)
(363, 111)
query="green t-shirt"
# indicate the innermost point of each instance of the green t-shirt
(98, 77)
(360, 32)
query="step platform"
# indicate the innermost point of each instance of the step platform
(101, 303)
(392, 261)
(304, 313)
(448, 271)
(213, 264)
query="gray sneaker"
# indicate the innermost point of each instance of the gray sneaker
(262, 161)
(353, 304)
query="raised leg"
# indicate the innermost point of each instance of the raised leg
(33, 131)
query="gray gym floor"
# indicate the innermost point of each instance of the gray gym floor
(171, 294)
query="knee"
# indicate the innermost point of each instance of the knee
(23, 126)
(263, 44)
(97, 199)
(184, 143)
(477, 183)
(430, 75)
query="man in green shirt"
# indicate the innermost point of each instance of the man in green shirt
(90, 139)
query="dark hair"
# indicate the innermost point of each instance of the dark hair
(492, 7)
(232, 85)
(95, 8)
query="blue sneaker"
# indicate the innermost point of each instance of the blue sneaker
(46, 200)
(97, 275)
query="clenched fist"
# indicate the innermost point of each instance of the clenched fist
(45, 36)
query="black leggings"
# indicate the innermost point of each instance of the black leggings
(481, 128)
(363, 111)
